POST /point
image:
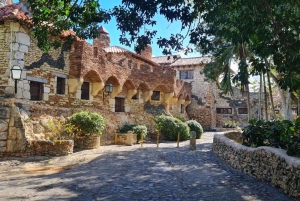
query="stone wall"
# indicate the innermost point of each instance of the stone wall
(264, 163)
(122, 139)
(235, 101)
(16, 134)
(87, 142)
(202, 106)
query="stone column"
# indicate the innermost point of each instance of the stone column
(192, 140)
(129, 138)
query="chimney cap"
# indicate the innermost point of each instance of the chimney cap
(102, 30)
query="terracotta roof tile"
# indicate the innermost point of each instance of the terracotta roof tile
(164, 59)
(117, 49)
(191, 61)
(181, 61)
(12, 11)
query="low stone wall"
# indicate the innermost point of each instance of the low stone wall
(264, 163)
(43, 148)
(87, 142)
(56, 148)
(122, 139)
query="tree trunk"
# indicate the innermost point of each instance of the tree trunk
(248, 103)
(260, 91)
(266, 99)
(271, 96)
(298, 104)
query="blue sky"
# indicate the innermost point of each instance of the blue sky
(163, 27)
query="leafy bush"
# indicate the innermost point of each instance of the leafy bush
(281, 134)
(170, 127)
(195, 126)
(127, 127)
(60, 130)
(230, 124)
(138, 130)
(88, 123)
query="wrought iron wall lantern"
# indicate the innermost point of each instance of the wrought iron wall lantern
(16, 73)
(108, 89)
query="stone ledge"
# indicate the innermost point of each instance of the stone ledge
(264, 163)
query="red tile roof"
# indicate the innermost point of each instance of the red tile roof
(164, 59)
(191, 61)
(12, 11)
(117, 49)
(181, 61)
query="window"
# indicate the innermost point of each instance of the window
(182, 108)
(85, 91)
(95, 52)
(36, 90)
(120, 105)
(60, 85)
(187, 74)
(243, 110)
(224, 110)
(135, 97)
(155, 95)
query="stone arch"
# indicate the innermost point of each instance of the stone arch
(117, 86)
(129, 89)
(144, 91)
(96, 82)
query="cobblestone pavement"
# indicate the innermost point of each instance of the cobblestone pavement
(132, 173)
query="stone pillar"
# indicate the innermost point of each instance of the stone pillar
(129, 138)
(192, 140)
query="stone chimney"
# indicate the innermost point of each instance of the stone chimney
(5, 3)
(147, 52)
(103, 39)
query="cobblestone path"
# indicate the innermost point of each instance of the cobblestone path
(132, 173)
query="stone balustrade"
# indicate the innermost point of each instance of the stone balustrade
(264, 163)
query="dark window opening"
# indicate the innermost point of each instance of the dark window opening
(187, 74)
(224, 110)
(182, 108)
(129, 64)
(60, 85)
(95, 52)
(120, 105)
(243, 111)
(85, 91)
(36, 90)
(135, 97)
(155, 95)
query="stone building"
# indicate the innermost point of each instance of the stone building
(209, 105)
(60, 82)
(72, 78)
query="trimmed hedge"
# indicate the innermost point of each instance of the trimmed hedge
(170, 127)
(88, 123)
(195, 126)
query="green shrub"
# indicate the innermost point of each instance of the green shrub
(170, 127)
(195, 126)
(281, 134)
(60, 130)
(138, 130)
(127, 127)
(230, 124)
(88, 123)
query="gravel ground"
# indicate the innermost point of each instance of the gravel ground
(132, 173)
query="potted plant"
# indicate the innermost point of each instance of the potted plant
(89, 127)
(139, 129)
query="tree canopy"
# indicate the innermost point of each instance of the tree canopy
(268, 29)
